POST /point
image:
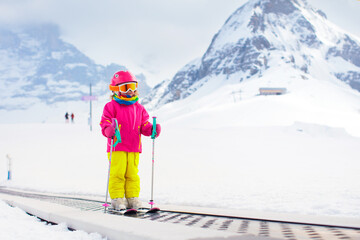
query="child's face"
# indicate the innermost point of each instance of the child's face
(130, 93)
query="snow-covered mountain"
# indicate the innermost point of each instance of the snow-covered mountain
(37, 66)
(263, 37)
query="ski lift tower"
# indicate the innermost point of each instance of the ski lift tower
(90, 98)
(235, 94)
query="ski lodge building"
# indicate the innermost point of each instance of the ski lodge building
(272, 91)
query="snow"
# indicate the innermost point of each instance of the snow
(57, 55)
(74, 65)
(295, 153)
(16, 224)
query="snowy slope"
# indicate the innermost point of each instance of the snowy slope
(299, 168)
(239, 104)
(293, 153)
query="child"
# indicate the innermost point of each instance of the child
(133, 121)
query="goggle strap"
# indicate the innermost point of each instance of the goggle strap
(114, 88)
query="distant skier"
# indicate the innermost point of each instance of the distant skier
(133, 121)
(72, 117)
(66, 117)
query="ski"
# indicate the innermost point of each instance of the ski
(125, 212)
(149, 210)
(131, 211)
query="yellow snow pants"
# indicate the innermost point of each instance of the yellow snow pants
(124, 179)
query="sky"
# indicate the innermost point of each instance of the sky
(155, 37)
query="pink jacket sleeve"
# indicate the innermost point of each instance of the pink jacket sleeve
(146, 126)
(106, 119)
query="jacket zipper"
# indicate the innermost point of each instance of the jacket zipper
(134, 117)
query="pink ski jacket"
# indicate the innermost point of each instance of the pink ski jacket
(132, 120)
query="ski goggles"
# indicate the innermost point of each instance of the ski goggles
(125, 87)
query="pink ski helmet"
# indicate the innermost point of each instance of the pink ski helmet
(122, 77)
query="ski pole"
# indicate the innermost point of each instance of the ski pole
(114, 124)
(107, 186)
(153, 136)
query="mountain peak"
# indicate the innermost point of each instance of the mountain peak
(269, 34)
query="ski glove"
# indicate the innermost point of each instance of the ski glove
(109, 131)
(158, 129)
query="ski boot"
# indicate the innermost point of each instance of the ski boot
(119, 203)
(134, 203)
